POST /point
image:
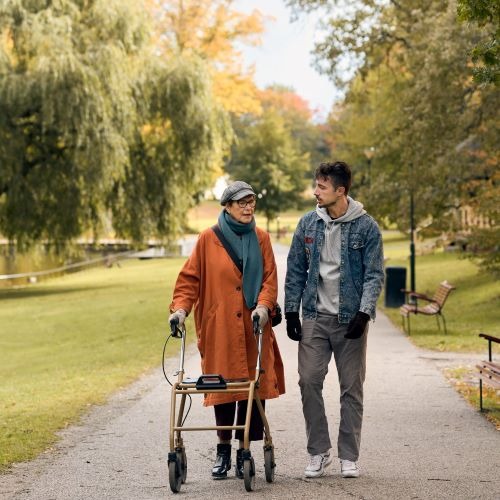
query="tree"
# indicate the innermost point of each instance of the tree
(310, 137)
(67, 111)
(486, 13)
(267, 157)
(212, 30)
(358, 34)
(181, 140)
(278, 150)
(82, 99)
(412, 97)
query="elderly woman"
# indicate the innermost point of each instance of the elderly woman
(225, 301)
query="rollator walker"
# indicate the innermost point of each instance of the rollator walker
(213, 383)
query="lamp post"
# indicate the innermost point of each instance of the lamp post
(412, 233)
(369, 153)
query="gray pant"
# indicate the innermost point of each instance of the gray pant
(320, 338)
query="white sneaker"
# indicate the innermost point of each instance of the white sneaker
(349, 469)
(317, 464)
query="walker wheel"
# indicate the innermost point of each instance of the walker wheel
(249, 474)
(182, 462)
(174, 476)
(269, 464)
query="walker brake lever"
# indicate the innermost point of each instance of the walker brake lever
(256, 321)
(174, 328)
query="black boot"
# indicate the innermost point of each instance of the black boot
(239, 464)
(222, 462)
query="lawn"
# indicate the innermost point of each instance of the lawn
(470, 309)
(70, 342)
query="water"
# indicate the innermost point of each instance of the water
(40, 259)
(36, 260)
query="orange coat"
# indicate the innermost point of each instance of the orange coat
(210, 281)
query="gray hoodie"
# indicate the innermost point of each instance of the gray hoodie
(329, 261)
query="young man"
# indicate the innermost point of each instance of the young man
(335, 270)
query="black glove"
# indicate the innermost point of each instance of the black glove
(293, 326)
(357, 325)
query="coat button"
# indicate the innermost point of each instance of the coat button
(238, 314)
(238, 288)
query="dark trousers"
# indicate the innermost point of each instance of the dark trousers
(224, 415)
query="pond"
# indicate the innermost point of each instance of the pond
(41, 259)
(36, 260)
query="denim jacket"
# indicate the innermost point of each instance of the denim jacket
(361, 267)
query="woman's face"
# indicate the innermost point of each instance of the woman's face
(242, 210)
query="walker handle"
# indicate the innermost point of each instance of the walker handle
(256, 321)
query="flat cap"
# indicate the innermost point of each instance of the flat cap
(236, 191)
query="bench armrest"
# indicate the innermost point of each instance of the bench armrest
(417, 295)
(490, 337)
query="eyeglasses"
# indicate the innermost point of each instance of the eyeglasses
(243, 203)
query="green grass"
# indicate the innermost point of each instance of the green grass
(470, 309)
(70, 342)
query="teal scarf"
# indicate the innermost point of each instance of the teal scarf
(243, 239)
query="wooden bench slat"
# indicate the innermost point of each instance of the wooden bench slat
(489, 372)
(491, 365)
(490, 381)
(491, 369)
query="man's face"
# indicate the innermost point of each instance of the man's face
(326, 194)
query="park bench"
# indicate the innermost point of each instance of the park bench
(489, 371)
(433, 308)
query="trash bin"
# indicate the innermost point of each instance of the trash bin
(395, 280)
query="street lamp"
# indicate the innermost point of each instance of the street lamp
(369, 153)
(412, 233)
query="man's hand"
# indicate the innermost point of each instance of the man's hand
(263, 313)
(357, 325)
(179, 315)
(293, 326)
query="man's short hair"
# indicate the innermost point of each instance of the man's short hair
(338, 172)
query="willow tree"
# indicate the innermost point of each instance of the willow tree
(67, 112)
(81, 95)
(183, 136)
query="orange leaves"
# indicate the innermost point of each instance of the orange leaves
(286, 100)
(212, 29)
